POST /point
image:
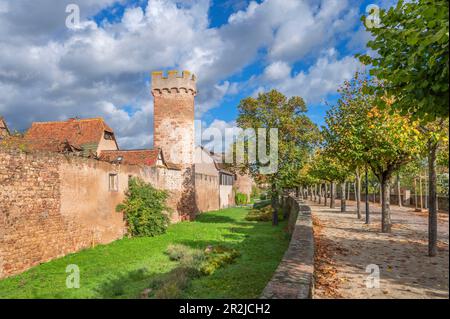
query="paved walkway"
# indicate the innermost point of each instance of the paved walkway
(345, 246)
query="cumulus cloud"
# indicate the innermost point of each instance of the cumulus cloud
(49, 72)
(278, 70)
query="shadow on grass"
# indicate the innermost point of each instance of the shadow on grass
(215, 219)
(249, 238)
(116, 287)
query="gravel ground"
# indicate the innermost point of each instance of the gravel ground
(346, 247)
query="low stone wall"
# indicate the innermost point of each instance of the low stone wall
(293, 278)
(442, 201)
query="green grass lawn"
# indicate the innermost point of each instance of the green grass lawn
(124, 268)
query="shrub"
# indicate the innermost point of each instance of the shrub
(193, 263)
(187, 257)
(173, 285)
(145, 209)
(241, 199)
(263, 214)
(261, 204)
(177, 252)
(217, 257)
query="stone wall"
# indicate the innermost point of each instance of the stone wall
(52, 204)
(244, 184)
(408, 202)
(294, 277)
(226, 194)
(207, 192)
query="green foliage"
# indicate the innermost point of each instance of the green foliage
(241, 199)
(145, 209)
(412, 57)
(262, 204)
(359, 132)
(324, 166)
(217, 257)
(173, 285)
(193, 264)
(263, 214)
(297, 134)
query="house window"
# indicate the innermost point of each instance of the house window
(226, 179)
(113, 183)
(109, 136)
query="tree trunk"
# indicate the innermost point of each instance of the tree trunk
(332, 199)
(285, 208)
(426, 191)
(320, 194)
(343, 202)
(420, 193)
(386, 223)
(297, 192)
(399, 191)
(367, 196)
(374, 195)
(432, 200)
(381, 195)
(314, 192)
(416, 204)
(274, 201)
(358, 195)
(348, 190)
(326, 195)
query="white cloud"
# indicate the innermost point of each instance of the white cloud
(277, 71)
(321, 79)
(48, 72)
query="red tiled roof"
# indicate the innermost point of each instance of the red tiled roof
(77, 132)
(135, 157)
(51, 145)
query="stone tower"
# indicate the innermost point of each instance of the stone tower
(174, 130)
(174, 115)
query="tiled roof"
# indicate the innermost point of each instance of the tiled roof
(135, 157)
(83, 133)
(51, 145)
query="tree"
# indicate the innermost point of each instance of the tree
(412, 61)
(343, 119)
(435, 133)
(412, 57)
(324, 166)
(297, 135)
(380, 137)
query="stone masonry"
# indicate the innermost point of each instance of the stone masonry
(174, 130)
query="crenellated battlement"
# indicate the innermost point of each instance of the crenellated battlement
(173, 82)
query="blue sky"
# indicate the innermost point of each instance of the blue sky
(237, 48)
